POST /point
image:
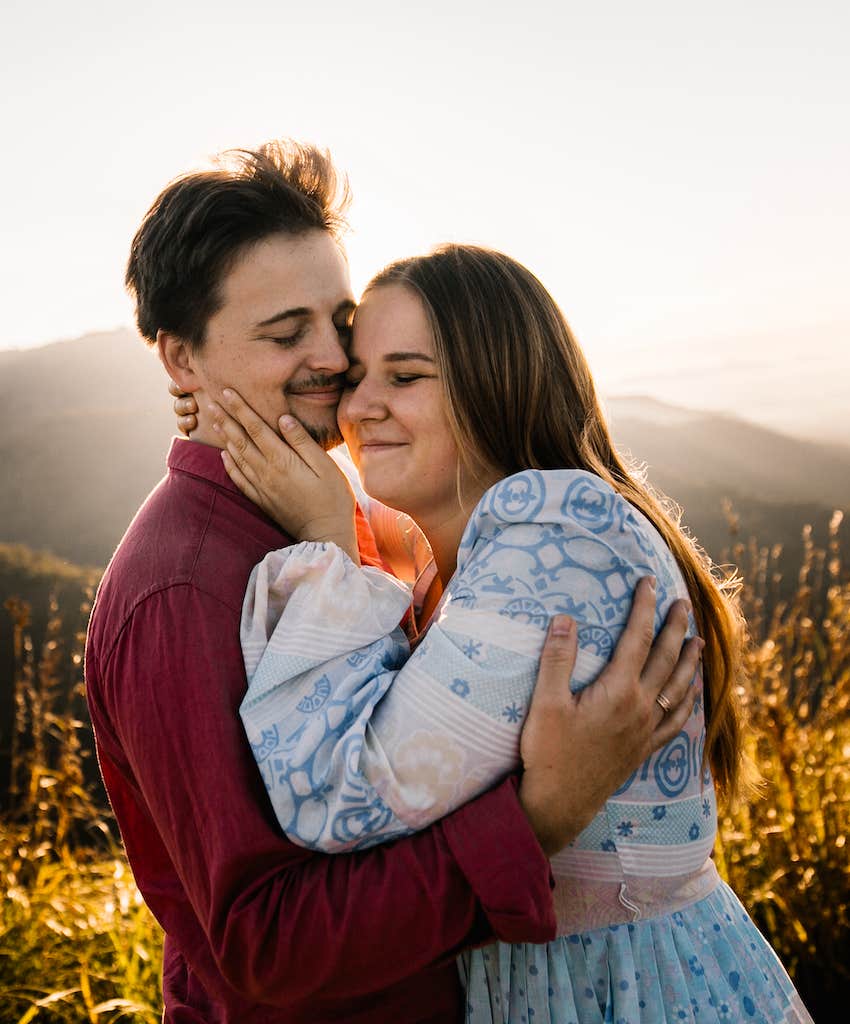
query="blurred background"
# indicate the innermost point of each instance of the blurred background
(675, 174)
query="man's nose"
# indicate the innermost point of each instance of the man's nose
(328, 353)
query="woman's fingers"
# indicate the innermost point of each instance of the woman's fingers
(297, 437)
(254, 426)
(186, 424)
(239, 478)
(239, 445)
(185, 408)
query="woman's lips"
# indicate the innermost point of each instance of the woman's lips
(376, 447)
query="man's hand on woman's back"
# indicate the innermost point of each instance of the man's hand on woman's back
(578, 749)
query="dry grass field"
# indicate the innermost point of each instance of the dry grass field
(78, 944)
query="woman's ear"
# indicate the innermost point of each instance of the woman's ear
(177, 357)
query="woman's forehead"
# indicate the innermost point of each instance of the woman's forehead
(390, 319)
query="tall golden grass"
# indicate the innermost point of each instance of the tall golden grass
(786, 854)
(78, 944)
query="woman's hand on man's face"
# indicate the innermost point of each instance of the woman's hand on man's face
(290, 477)
(185, 409)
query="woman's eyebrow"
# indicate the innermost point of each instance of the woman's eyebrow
(395, 357)
(400, 357)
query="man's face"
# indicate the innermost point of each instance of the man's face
(281, 336)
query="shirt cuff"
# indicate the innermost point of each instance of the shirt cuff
(495, 847)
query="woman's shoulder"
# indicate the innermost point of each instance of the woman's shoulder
(561, 505)
(551, 496)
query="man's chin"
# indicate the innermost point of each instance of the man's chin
(327, 437)
(320, 423)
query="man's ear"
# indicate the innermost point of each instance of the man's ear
(177, 357)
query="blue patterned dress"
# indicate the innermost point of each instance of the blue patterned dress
(360, 741)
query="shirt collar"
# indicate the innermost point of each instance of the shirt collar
(204, 461)
(201, 460)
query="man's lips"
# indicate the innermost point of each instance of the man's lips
(328, 395)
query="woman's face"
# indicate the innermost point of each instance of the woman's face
(392, 413)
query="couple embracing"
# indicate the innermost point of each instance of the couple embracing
(429, 726)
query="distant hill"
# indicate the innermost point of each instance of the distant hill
(686, 447)
(85, 425)
(84, 428)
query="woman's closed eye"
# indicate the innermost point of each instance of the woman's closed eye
(395, 379)
(344, 330)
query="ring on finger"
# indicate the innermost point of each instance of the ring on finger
(663, 702)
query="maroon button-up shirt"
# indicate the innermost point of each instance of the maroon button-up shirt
(256, 928)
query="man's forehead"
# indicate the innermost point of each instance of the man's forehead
(282, 272)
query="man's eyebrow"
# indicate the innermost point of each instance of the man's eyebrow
(347, 306)
(285, 314)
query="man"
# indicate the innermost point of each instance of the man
(240, 279)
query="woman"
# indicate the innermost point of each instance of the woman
(469, 407)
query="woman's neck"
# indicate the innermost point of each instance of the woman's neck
(443, 527)
(443, 534)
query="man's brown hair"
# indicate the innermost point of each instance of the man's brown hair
(203, 221)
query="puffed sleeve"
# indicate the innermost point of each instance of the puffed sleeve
(358, 740)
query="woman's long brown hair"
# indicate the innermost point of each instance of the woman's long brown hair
(520, 395)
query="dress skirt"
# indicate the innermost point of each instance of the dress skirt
(704, 963)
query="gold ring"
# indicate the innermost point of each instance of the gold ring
(663, 702)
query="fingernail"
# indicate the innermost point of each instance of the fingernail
(651, 580)
(227, 394)
(216, 427)
(701, 643)
(561, 625)
(287, 422)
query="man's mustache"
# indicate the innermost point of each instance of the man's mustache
(314, 382)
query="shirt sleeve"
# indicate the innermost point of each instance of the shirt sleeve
(358, 741)
(283, 923)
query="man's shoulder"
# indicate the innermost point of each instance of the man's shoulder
(188, 533)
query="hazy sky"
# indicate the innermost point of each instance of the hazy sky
(675, 173)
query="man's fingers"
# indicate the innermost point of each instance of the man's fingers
(557, 661)
(636, 640)
(673, 721)
(681, 680)
(667, 647)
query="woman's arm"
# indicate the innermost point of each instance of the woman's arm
(359, 744)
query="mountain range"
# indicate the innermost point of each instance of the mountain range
(85, 425)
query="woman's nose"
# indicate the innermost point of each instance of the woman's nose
(362, 402)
